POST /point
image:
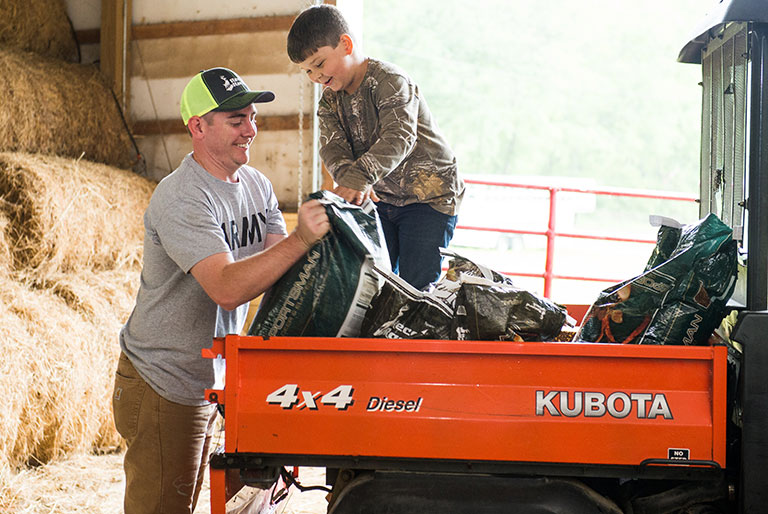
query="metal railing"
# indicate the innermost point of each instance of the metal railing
(551, 233)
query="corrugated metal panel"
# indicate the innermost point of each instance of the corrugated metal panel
(724, 107)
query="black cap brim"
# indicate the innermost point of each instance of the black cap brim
(245, 99)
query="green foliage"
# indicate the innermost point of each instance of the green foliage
(554, 87)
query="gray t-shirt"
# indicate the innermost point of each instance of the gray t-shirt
(193, 215)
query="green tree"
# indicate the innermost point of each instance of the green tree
(560, 88)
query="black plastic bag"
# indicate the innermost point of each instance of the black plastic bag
(328, 291)
(667, 239)
(400, 311)
(459, 266)
(488, 310)
(471, 302)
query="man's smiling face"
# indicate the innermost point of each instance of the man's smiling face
(229, 134)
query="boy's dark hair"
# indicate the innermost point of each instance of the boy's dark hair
(315, 27)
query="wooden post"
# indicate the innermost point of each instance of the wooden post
(116, 23)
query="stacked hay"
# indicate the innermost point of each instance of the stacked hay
(70, 241)
(5, 247)
(66, 215)
(53, 107)
(56, 372)
(73, 235)
(39, 26)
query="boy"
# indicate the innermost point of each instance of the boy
(378, 140)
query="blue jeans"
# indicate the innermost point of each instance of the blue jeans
(415, 233)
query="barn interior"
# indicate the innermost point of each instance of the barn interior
(89, 123)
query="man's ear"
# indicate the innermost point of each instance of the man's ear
(349, 45)
(195, 126)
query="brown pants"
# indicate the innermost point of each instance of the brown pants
(168, 446)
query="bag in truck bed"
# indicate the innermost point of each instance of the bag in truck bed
(400, 311)
(470, 302)
(488, 310)
(328, 291)
(680, 297)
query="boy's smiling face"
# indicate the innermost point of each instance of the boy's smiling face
(334, 67)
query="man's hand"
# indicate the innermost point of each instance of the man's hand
(313, 223)
(354, 196)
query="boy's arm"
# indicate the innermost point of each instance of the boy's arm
(398, 106)
(335, 149)
(336, 153)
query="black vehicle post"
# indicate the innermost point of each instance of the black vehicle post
(752, 328)
(732, 19)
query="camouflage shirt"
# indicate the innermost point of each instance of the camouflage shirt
(383, 135)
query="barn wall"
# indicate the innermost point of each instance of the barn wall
(161, 65)
(85, 15)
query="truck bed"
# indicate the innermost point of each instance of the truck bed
(482, 406)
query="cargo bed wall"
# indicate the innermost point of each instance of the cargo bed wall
(472, 402)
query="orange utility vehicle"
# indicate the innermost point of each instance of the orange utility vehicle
(549, 427)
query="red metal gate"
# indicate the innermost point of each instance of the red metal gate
(551, 233)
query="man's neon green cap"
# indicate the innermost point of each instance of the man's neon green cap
(218, 89)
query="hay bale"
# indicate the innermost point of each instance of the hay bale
(5, 247)
(59, 370)
(73, 234)
(57, 108)
(19, 348)
(68, 215)
(61, 352)
(39, 26)
(105, 298)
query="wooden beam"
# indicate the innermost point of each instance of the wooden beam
(157, 127)
(212, 27)
(115, 37)
(257, 53)
(88, 36)
(327, 180)
(196, 28)
(176, 126)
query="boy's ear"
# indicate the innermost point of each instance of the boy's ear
(349, 45)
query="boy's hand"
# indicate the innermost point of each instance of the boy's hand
(312, 224)
(354, 196)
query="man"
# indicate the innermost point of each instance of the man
(214, 239)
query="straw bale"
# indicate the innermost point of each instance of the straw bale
(5, 247)
(73, 231)
(59, 368)
(39, 26)
(67, 215)
(57, 108)
(80, 484)
(17, 347)
(102, 297)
